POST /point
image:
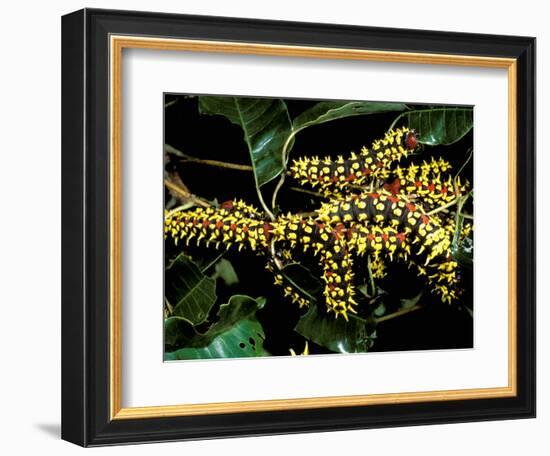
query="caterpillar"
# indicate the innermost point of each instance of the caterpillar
(233, 223)
(332, 175)
(387, 224)
(433, 239)
(427, 181)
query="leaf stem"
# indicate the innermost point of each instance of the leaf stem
(285, 157)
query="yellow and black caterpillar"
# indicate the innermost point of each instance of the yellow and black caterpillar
(330, 175)
(389, 224)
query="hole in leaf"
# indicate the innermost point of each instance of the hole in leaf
(242, 345)
(251, 341)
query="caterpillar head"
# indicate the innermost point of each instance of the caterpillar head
(410, 140)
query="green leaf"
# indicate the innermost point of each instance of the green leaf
(338, 335)
(237, 333)
(463, 253)
(265, 124)
(325, 111)
(335, 334)
(245, 339)
(225, 270)
(438, 126)
(190, 293)
(380, 310)
(303, 280)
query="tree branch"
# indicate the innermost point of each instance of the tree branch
(219, 164)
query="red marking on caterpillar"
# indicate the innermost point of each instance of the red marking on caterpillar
(393, 187)
(374, 195)
(219, 224)
(233, 227)
(444, 190)
(335, 179)
(431, 187)
(425, 219)
(245, 228)
(267, 230)
(411, 207)
(338, 230)
(418, 184)
(227, 205)
(400, 237)
(351, 178)
(366, 171)
(205, 222)
(393, 199)
(385, 237)
(371, 237)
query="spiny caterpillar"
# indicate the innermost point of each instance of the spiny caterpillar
(330, 175)
(428, 182)
(388, 223)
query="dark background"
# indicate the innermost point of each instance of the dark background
(435, 326)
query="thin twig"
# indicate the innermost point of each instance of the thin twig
(306, 191)
(444, 207)
(186, 195)
(371, 278)
(470, 153)
(185, 158)
(218, 164)
(459, 200)
(183, 207)
(171, 103)
(398, 313)
(235, 166)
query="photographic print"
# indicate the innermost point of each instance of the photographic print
(296, 227)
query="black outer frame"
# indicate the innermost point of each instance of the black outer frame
(85, 227)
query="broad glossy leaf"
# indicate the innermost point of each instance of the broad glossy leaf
(338, 335)
(438, 126)
(244, 339)
(190, 293)
(265, 124)
(236, 333)
(325, 111)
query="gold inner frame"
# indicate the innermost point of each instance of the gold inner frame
(117, 44)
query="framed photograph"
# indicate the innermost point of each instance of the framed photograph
(278, 227)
